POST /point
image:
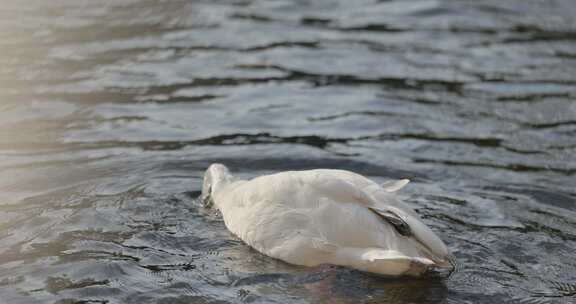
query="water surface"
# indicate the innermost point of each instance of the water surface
(110, 111)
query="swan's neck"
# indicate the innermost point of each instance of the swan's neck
(217, 177)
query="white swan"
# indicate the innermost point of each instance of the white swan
(327, 216)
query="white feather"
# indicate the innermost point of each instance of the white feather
(325, 216)
(394, 185)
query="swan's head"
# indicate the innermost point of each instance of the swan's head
(216, 175)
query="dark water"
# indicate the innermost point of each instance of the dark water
(111, 110)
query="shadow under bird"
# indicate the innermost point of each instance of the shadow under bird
(326, 216)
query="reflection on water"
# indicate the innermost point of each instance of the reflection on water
(110, 111)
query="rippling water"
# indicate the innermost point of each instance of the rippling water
(111, 110)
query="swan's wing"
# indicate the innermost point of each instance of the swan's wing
(343, 190)
(405, 221)
(400, 224)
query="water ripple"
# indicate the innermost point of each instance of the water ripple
(111, 112)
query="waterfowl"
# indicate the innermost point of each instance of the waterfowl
(327, 216)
